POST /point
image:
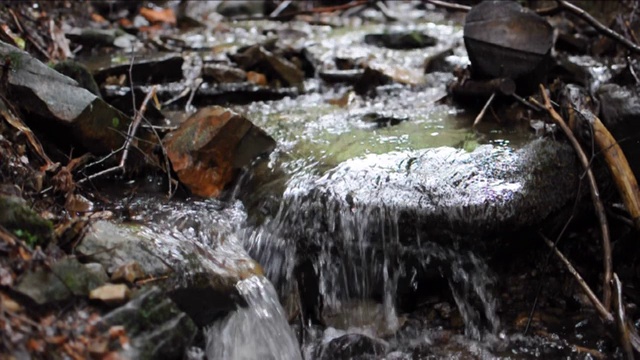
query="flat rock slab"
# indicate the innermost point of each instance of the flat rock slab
(490, 189)
(36, 88)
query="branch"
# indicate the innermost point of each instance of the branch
(600, 308)
(595, 197)
(565, 5)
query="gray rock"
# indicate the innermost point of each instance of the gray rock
(490, 189)
(200, 277)
(66, 278)
(156, 328)
(37, 88)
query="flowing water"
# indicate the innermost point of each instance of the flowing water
(258, 331)
(341, 268)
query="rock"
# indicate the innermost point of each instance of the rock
(257, 58)
(221, 73)
(37, 89)
(156, 328)
(17, 217)
(66, 278)
(111, 293)
(211, 145)
(507, 40)
(240, 8)
(79, 73)
(352, 346)
(444, 189)
(401, 40)
(200, 278)
(113, 246)
(128, 272)
(158, 68)
(97, 270)
(90, 38)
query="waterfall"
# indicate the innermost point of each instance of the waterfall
(258, 331)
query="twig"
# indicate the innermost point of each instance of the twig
(133, 127)
(620, 318)
(449, 6)
(595, 197)
(600, 308)
(484, 110)
(565, 5)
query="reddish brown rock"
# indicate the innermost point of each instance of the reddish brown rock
(208, 147)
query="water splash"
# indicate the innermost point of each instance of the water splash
(258, 331)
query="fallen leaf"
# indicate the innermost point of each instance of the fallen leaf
(158, 15)
(256, 78)
(36, 345)
(56, 340)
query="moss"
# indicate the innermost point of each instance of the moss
(25, 223)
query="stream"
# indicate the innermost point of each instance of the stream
(349, 275)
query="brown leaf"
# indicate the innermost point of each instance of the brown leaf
(56, 340)
(36, 345)
(158, 15)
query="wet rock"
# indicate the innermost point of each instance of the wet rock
(257, 58)
(507, 40)
(79, 73)
(381, 119)
(352, 346)
(97, 270)
(240, 8)
(111, 294)
(210, 146)
(90, 38)
(200, 278)
(378, 73)
(490, 189)
(401, 40)
(17, 217)
(65, 279)
(156, 328)
(351, 76)
(114, 246)
(221, 73)
(128, 272)
(37, 89)
(148, 69)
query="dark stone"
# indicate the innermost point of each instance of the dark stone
(401, 40)
(79, 73)
(504, 39)
(352, 346)
(156, 328)
(158, 68)
(37, 89)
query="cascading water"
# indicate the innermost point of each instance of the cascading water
(356, 255)
(257, 331)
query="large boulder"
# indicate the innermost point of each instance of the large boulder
(491, 189)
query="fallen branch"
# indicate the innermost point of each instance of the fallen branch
(484, 110)
(595, 197)
(600, 307)
(617, 163)
(133, 128)
(621, 319)
(565, 5)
